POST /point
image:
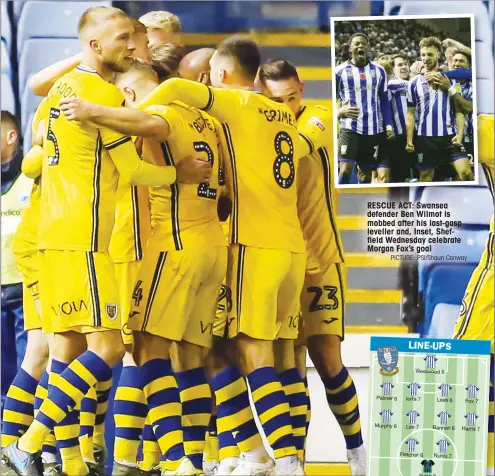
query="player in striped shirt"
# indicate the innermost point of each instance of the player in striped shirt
(445, 388)
(444, 417)
(443, 445)
(413, 414)
(430, 114)
(471, 418)
(387, 388)
(430, 361)
(472, 390)
(411, 444)
(413, 388)
(401, 162)
(364, 109)
(386, 416)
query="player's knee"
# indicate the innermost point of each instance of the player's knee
(465, 175)
(325, 354)
(300, 352)
(253, 354)
(383, 175)
(108, 345)
(148, 347)
(37, 352)
(188, 356)
(218, 357)
(283, 350)
(345, 169)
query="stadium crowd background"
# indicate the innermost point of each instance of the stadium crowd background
(339, 8)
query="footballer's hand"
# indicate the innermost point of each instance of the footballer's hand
(409, 147)
(441, 81)
(349, 111)
(457, 140)
(193, 169)
(449, 42)
(76, 109)
(390, 134)
(417, 67)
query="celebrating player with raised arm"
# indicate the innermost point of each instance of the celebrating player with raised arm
(80, 173)
(430, 114)
(322, 298)
(364, 113)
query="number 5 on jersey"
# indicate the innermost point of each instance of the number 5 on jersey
(53, 159)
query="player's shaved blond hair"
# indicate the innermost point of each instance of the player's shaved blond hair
(162, 20)
(93, 20)
(166, 59)
(138, 26)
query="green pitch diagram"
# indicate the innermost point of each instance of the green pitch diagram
(428, 407)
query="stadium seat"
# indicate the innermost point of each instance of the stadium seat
(29, 103)
(6, 27)
(473, 208)
(16, 9)
(60, 20)
(39, 53)
(8, 99)
(6, 67)
(27, 135)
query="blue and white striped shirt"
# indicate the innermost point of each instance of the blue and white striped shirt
(471, 418)
(434, 110)
(397, 93)
(413, 388)
(387, 388)
(413, 414)
(362, 86)
(472, 391)
(443, 445)
(466, 91)
(445, 388)
(386, 415)
(411, 444)
(430, 361)
(444, 417)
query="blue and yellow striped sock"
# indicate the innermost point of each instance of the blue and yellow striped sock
(343, 401)
(308, 408)
(129, 410)
(151, 450)
(103, 389)
(18, 408)
(87, 418)
(234, 414)
(211, 445)
(491, 409)
(295, 391)
(72, 385)
(165, 410)
(195, 395)
(273, 411)
(67, 430)
(49, 450)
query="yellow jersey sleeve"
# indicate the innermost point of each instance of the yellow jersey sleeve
(40, 113)
(220, 103)
(169, 114)
(32, 162)
(316, 131)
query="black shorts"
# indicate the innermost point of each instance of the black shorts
(384, 152)
(359, 149)
(469, 146)
(434, 151)
(401, 161)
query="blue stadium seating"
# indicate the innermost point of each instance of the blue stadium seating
(16, 8)
(39, 53)
(6, 67)
(60, 20)
(29, 103)
(6, 28)
(27, 135)
(8, 98)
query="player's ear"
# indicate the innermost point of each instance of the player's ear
(222, 75)
(204, 77)
(130, 94)
(95, 46)
(11, 136)
(301, 87)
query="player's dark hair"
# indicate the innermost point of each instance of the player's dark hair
(457, 51)
(399, 55)
(245, 51)
(431, 41)
(9, 120)
(166, 58)
(355, 35)
(275, 70)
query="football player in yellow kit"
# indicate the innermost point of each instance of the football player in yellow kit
(323, 295)
(175, 295)
(476, 314)
(30, 384)
(80, 304)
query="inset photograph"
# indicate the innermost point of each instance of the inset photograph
(404, 100)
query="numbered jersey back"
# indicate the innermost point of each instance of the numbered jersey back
(186, 215)
(262, 143)
(79, 178)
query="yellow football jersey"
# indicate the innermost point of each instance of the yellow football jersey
(316, 201)
(79, 177)
(185, 215)
(485, 152)
(132, 223)
(26, 236)
(263, 145)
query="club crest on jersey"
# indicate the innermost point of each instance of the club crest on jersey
(343, 149)
(111, 311)
(317, 123)
(388, 358)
